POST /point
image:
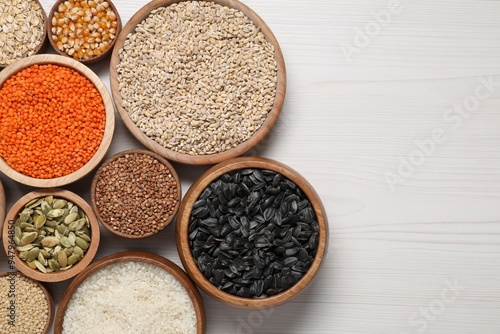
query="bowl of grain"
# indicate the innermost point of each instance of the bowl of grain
(198, 82)
(23, 32)
(52, 233)
(252, 232)
(29, 307)
(135, 193)
(128, 293)
(59, 122)
(84, 30)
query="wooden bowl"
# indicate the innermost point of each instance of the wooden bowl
(209, 158)
(135, 256)
(57, 276)
(97, 175)
(2, 207)
(183, 222)
(48, 297)
(89, 60)
(43, 43)
(108, 131)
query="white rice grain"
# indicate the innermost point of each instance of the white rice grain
(130, 297)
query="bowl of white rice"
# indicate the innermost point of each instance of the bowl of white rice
(131, 292)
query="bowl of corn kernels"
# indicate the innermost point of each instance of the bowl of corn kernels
(85, 30)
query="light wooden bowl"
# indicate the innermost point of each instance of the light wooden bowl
(97, 175)
(108, 130)
(2, 207)
(43, 43)
(210, 158)
(58, 276)
(183, 221)
(85, 61)
(48, 297)
(145, 257)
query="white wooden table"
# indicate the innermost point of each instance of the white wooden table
(393, 114)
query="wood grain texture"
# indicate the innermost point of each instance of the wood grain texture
(137, 18)
(97, 176)
(56, 276)
(184, 220)
(144, 257)
(343, 126)
(108, 128)
(83, 61)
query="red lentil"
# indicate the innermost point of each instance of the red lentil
(52, 121)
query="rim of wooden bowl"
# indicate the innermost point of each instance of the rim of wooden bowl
(3, 202)
(42, 45)
(59, 275)
(135, 256)
(48, 298)
(182, 226)
(83, 61)
(108, 129)
(209, 158)
(119, 155)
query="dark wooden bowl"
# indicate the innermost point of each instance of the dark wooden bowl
(48, 297)
(209, 158)
(57, 276)
(115, 157)
(145, 257)
(183, 221)
(94, 59)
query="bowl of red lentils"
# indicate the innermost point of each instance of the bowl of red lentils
(56, 121)
(27, 306)
(198, 82)
(136, 194)
(84, 30)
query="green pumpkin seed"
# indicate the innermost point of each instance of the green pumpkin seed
(82, 235)
(41, 259)
(73, 259)
(59, 203)
(55, 213)
(62, 258)
(82, 243)
(33, 254)
(33, 203)
(65, 242)
(31, 264)
(24, 248)
(70, 218)
(49, 199)
(40, 266)
(44, 253)
(45, 206)
(51, 223)
(24, 216)
(27, 238)
(78, 251)
(54, 265)
(50, 242)
(23, 255)
(66, 268)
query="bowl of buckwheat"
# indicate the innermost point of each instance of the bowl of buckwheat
(52, 233)
(22, 30)
(198, 82)
(84, 30)
(135, 193)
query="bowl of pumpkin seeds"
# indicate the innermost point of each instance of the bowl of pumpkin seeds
(50, 235)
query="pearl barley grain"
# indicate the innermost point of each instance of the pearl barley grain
(30, 308)
(197, 77)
